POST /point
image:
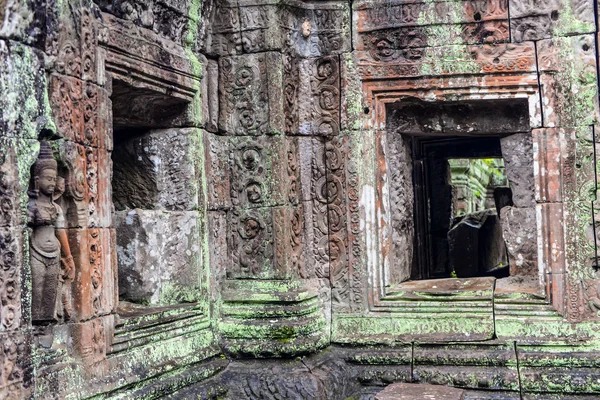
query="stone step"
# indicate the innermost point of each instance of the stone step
(411, 391)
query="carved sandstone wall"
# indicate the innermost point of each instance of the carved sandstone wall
(263, 205)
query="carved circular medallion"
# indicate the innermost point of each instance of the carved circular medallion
(254, 192)
(328, 98)
(251, 159)
(244, 76)
(325, 69)
(250, 228)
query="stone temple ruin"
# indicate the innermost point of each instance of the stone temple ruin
(298, 199)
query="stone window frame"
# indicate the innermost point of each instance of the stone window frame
(129, 54)
(383, 90)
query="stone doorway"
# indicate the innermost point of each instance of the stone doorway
(431, 149)
(460, 190)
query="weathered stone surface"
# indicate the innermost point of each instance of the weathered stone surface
(519, 230)
(407, 391)
(517, 151)
(160, 256)
(160, 170)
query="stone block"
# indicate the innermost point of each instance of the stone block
(22, 114)
(547, 164)
(251, 104)
(80, 297)
(517, 151)
(16, 364)
(16, 158)
(319, 30)
(159, 256)
(318, 97)
(552, 240)
(258, 32)
(225, 31)
(89, 340)
(66, 102)
(210, 96)
(262, 173)
(14, 302)
(218, 250)
(535, 20)
(519, 229)
(411, 391)
(266, 243)
(251, 243)
(216, 169)
(578, 163)
(159, 170)
(568, 81)
(354, 110)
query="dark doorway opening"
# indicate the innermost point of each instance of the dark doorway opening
(459, 188)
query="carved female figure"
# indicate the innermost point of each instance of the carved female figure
(48, 245)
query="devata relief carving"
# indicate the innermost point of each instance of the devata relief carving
(52, 266)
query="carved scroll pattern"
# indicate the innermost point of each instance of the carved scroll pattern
(319, 217)
(13, 351)
(249, 174)
(290, 93)
(88, 46)
(324, 103)
(96, 261)
(251, 243)
(10, 240)
(10, 287)
(65, 99)
(245, 108)
(335, 195)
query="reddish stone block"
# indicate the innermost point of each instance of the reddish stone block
(66, 101)
(547, 164)
(89, 340)
(104, 205)
(81, 284)
(74, 200)
(555, 285)
(551, 237)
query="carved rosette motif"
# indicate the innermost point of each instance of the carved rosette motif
(96, 261)
(245, 108)
(89, 45)
(250, 169)
(251, 243)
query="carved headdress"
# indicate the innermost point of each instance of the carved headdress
(45, 159)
